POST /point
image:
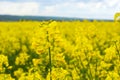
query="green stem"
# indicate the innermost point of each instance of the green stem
(117, 50)
(50, 61)
(96, 70)
(77, 71)
(49, 54)
(85, 68)
(91, 78)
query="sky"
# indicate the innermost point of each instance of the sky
(93, 9)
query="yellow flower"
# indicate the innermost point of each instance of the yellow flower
(3, 61)
(36, 62)
(18, 72)
(22, 59)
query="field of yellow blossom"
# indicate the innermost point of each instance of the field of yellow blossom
(60, 50)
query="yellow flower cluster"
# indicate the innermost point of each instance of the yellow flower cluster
(3, 61)
(60, 50)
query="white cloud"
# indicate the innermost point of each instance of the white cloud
(99, 9)
(76, 9)
(91, 9)
(111, 3)
(19, 8)
(50, 9)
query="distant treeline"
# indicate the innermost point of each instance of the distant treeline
(40, 18)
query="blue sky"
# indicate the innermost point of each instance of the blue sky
(96, 9)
